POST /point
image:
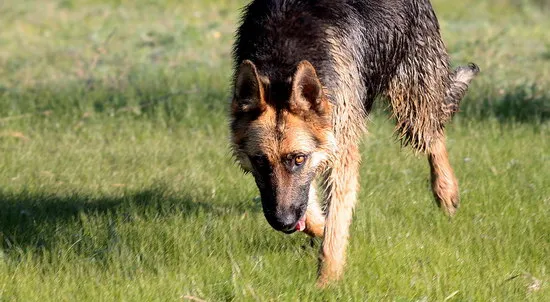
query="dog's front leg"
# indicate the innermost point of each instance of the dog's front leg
(315, 218)
(342, 184)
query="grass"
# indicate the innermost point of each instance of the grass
(116, 182)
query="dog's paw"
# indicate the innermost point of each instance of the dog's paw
(445, 191)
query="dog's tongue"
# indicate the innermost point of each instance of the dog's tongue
(301, 225)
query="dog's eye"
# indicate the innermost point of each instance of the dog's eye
(299, 159)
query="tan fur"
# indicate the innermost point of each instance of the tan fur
(342, 184)
(444, 183)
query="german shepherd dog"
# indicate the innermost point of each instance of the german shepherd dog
(306, 75)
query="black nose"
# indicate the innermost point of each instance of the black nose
(287, 222)
(284, 220)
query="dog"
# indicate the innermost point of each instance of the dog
(307, 73)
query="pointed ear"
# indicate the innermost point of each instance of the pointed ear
(307, 91)
(249, 92)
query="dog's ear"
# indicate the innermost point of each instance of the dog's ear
(249, 93)
(307, 91)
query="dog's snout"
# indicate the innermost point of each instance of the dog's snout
(284, 219)
(284, 205)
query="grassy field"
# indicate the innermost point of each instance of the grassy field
(116, 183)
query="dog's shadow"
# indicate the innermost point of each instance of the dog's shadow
(33, 221)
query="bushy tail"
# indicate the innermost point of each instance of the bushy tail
(461, 78)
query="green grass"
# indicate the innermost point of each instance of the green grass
(116, 181)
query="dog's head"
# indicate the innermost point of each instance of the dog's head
(284, 138)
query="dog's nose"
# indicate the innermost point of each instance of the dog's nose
(288, 219)
(288, 223)
(282, 214)
(284, 222)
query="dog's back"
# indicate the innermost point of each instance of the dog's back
(368, 38)
(360, 49)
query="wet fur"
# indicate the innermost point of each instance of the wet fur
(314, 69)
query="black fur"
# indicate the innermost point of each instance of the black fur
(394, 47)
(277, 34)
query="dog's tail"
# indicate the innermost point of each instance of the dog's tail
(461, 78)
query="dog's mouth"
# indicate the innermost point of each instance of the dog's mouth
(299, 227)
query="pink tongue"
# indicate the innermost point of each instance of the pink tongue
(301, 225)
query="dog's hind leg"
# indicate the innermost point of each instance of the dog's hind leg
(444, 183)
(315, 218)
(423, 98)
